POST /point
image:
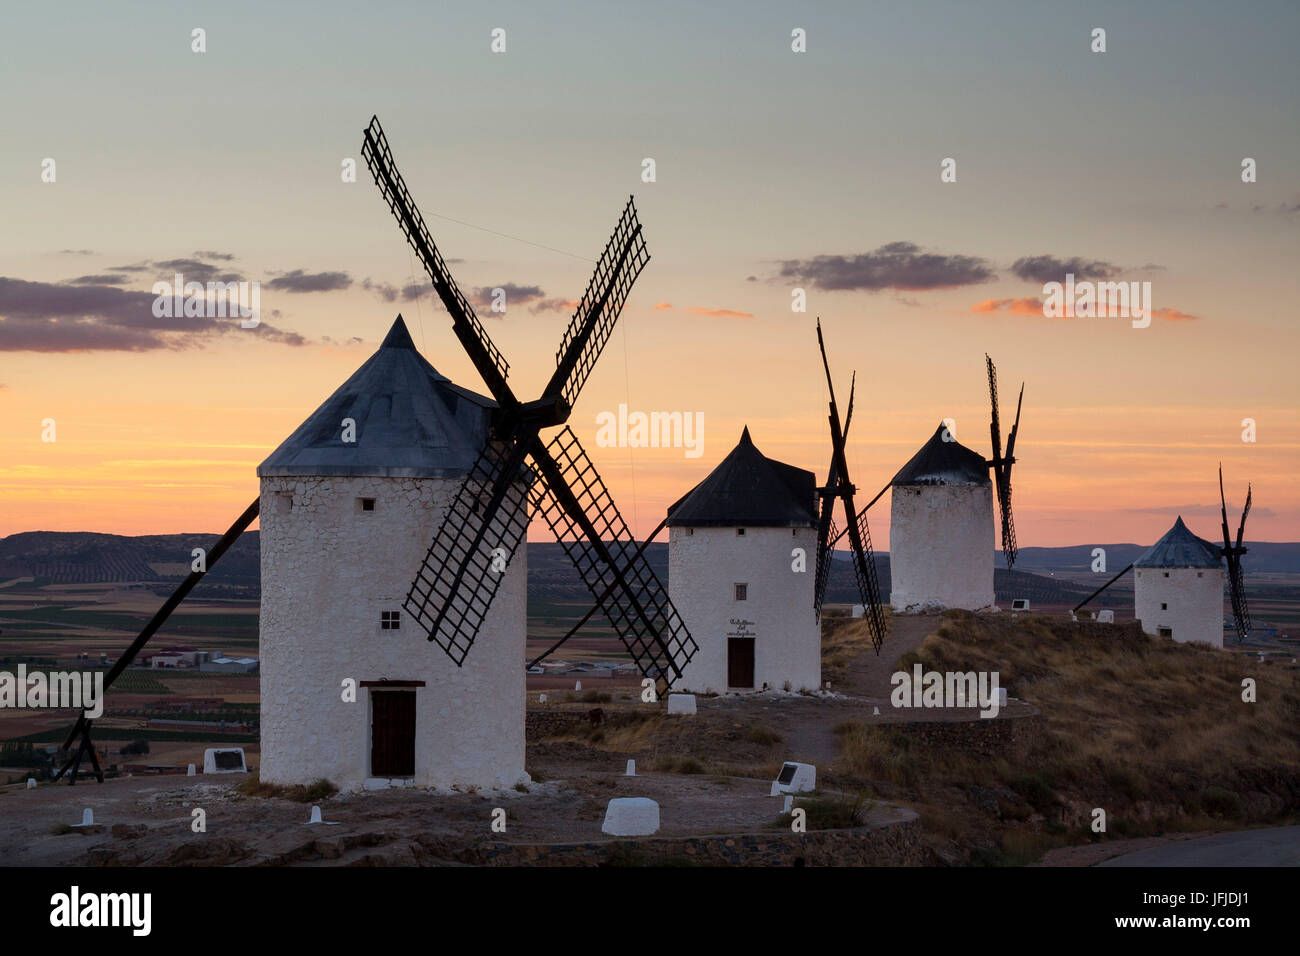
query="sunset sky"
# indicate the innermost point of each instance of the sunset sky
(774, 170)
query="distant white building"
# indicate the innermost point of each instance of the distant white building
(737, 578)
(941, 533)
(1178, 588)
(345, 525)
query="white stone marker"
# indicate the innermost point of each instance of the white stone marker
(541, 698)
(683, 704)
(788, 805)
(223, 760)
(1106, 617)
(190, 771)
(875, 711)
(31, 783)
(87, 818)
(631, 769)
(316, 818)
(1002, 697)
(577, 685)
(796, 778)
(631, 816)
(776, 789)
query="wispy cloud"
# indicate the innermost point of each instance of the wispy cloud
(530, 295)
(60, 317)
(1051, 269)
(896, 265)
(1029, 306)
(299, 281)
(719, 313)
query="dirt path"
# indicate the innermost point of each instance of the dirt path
(869, 674)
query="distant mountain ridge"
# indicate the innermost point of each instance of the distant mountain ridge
(57, 557)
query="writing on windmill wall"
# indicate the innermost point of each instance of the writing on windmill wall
(624, 429)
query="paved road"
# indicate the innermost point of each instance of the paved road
(1276, 847)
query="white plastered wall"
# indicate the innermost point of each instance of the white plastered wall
(705, 565)
(1193, 599)
(941, 544)
(328, 570)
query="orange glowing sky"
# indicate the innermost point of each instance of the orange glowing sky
(761, 160)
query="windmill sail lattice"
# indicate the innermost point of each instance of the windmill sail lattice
(458, 579)
(838, 486)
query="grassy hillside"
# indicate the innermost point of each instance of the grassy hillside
(1153, 732)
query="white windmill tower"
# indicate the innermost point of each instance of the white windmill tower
(1178, 588)
(1178, 582)
(397, 457)
(349, 503)
(734, 576)
(941, 518)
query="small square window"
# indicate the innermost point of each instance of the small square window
(1164, 606)
(365, 504)
(1165, 631)
(740, 531)
(1200, 574)
(283, 504)
(390, 620)
(742, 592)
(794, 532)
(1165, 573)
(690, 531)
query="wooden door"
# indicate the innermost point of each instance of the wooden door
(740, 662)
(392, 733)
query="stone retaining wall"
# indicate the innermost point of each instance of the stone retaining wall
(998, 737)
(895, 844)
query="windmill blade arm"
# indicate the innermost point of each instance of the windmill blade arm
(1015, 429)
(619, 265)
(1241, 528)
(995, 426)
(470, 555)
(864, 570)
(573, 500)
(825, 556)
(487, 358)
(163, 613)
(600, 600)
(1237, 593)
(1075, 609)
(1009, 546)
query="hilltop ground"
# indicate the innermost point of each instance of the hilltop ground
(1154, 733)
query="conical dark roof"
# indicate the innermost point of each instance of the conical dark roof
(749, 489)
(942, 462)
(411, 422)
(1179, 548)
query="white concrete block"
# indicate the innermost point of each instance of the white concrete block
(87, 818)
(31, 783)
(541, 698)
(796, 778)
(577, 685)
(631, 769)
(224, 760)
(683, 704)
(631, 816)
(376, 783)
(859, 610)
(190, 771)
(1106, 617)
